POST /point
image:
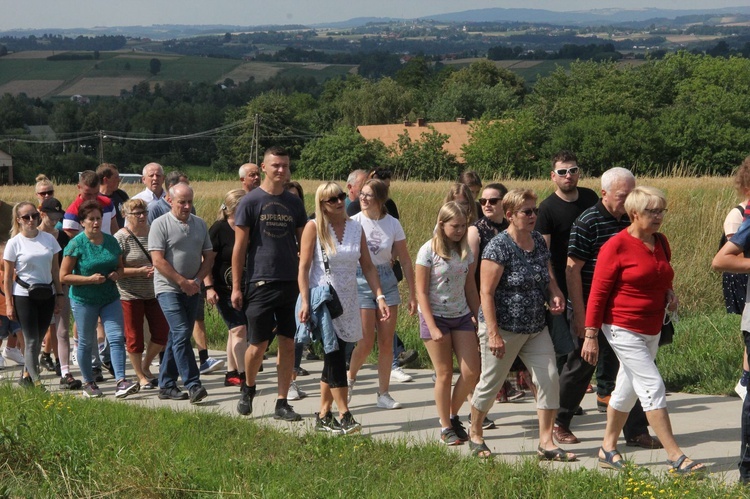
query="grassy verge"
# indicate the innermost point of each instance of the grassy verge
(57, 445)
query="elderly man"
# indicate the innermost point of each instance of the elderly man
(249, 176)
(182, 254)
(88, 189)
(589, 232)
(153, 179)
(354, 185)
(269, 222)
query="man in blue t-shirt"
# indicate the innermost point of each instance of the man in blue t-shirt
(268, 225)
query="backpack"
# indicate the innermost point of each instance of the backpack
(723, 239)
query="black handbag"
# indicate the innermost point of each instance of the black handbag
(667, 325)
(334, 304)
(398, 271)
(37, 292)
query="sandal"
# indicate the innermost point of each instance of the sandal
(690, 469)
(608, 461)
(557, 454)
(479, 450)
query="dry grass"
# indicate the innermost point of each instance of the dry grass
(102, 86)
(32, 54)
(32, 88)
(259, 70)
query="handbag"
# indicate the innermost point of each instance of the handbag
(557, 325)
(670, 318)
(398, 271)
(37, 292)
(334, 304)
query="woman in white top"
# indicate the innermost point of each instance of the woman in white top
(343, 241)
(30, 258)
(385, 241)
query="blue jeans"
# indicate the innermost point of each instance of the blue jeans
(180, 310)
(86, 317)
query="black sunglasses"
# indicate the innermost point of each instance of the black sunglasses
(28, 218)
(529, 211)
(492, 201)
(46, 193)
(564, 171)
(335, 199)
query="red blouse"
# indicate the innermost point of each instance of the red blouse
(630, 284)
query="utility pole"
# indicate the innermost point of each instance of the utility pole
(254, 144)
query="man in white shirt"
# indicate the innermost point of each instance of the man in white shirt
(249, 176)
(153, 179)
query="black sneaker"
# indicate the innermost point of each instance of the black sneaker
(286, 413)
(245, 404)
(487, 424)
(328, 424)
(406, 357)
(68, 382)
(301, 371)
(311, 355)
(46, 362)
(459, 429)
(197, 394)
(98, 376)
(109, 368)
(348, 424)
(172, 393)
(26, 382)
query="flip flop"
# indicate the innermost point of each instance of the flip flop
(695, 467)
(608, 462)
(479, 450)
(557, 454)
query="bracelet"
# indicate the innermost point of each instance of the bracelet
(379, 297)
(590, 337)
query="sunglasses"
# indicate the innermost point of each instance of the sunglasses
(28, 218)
(529, 211)
(656, 212)
(138, 213)
(46, 193)
(335, 199)
(491, 201)
(564, 171)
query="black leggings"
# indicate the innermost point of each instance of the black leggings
(334, 367)
(35, 317)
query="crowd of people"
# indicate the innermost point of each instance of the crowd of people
(559, 290)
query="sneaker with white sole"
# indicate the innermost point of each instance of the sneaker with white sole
(385, 401)
(328, 424)
(448, 437)
(398, 374)
(295, 393)
(741, 390)
(211, 365)
(350, 384)
(13, 354)
(91, 390)
(125, 388)
(349, 424)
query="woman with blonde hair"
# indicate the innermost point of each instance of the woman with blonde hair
(331, 248)
(137, 294)
(448, 305)
(461, 194)
(219, 287)
(44, 188)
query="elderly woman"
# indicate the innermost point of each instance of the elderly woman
(331, 248)
(516, 279)
(137, 294)
(632, 285)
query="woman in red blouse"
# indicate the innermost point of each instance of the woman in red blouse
(632, 286)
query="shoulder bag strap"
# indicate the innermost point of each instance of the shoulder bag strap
(325, 262)
(148, 255)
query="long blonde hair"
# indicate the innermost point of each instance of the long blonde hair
(463, 190)
(231, 200)
(16, 226)
(441, 245)
(325, 191)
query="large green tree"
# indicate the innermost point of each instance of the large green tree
(336, 154)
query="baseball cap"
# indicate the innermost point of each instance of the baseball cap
(52, 205)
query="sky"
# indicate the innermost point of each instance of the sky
(40, 14)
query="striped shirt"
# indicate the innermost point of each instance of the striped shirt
(590, 231)
(135, 287)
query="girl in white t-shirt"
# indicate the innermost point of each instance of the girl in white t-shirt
(385, 240)
(448, 306)
(29, 259)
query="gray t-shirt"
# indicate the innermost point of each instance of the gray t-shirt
(183, 245)
(273, 222)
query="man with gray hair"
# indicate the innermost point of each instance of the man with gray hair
(354, 185)
(590, 231)
(249, 176)
(183, 255)
(161, 205)
(153, 179)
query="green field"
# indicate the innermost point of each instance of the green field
(42, 69)
(189, 68)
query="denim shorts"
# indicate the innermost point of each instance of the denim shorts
(8, 327)
(388, 284)
(446, 325)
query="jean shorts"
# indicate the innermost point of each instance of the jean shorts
(388, 284)
(8, 327)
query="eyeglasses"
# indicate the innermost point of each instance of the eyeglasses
(138, 213)
(529, 211)
(46, 193)
(491, 201)
(336, 199)
(656, 212)
(564, 171)
(28, 218)
(364, 195)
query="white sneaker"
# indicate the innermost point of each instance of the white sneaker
(350, 384)
(74, 354)
(13, 354)
(398, 374)
(385, 401)
(295, 393)
(741, 390)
